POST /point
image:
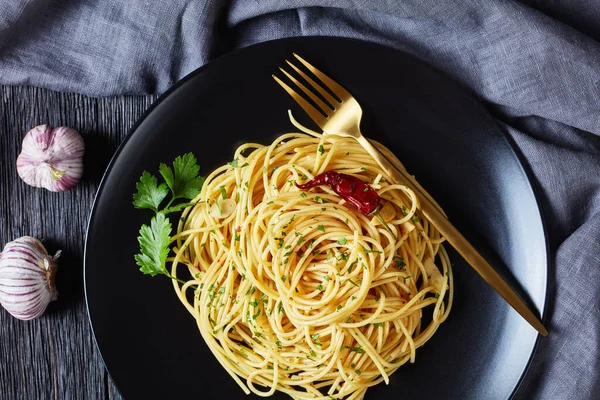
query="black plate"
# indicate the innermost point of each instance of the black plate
(148, 341)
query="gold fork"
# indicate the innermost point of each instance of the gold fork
(342, 117)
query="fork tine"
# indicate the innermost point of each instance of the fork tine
(332, 100)
(312, 112)
(339, 91)
(324, 107)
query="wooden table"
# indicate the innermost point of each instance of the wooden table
(54, 356)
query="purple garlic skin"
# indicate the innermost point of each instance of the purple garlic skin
(51, 158)
(27, 278)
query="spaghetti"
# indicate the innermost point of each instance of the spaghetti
(298, 292)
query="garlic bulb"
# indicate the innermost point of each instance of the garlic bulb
(27, 276)
(51, 158)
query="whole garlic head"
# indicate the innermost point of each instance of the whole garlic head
(27, 278)
(51, 158)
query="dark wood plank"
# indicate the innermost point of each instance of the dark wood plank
(54, 357)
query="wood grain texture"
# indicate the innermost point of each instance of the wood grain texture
(54, 356)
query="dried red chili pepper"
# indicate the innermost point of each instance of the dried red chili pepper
(357, 193)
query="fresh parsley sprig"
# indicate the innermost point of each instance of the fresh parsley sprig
(184, 182)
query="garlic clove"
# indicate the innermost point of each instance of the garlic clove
(388, 211)
(435, 277)
(27, 278)
(407, 227)
(51, 158)
(222, 208)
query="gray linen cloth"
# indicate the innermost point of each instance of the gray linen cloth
(534, 64)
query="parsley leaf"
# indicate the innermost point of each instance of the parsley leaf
(184, 182)
(154, 246)
(183, 178)
(234, 163)
(149, 193)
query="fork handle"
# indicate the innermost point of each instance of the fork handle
(433, 213)
(393, 169)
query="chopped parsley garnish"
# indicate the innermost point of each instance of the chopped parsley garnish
(378, 324)
(358, 350)
(234, 163)
(321, 228)
(321, 149)
(351, 267)
(354, 283)
(303, 195)
(283, 278)
(341, 241)
(399, 262)
(367, 251)
(223, 192)
(279, 242)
